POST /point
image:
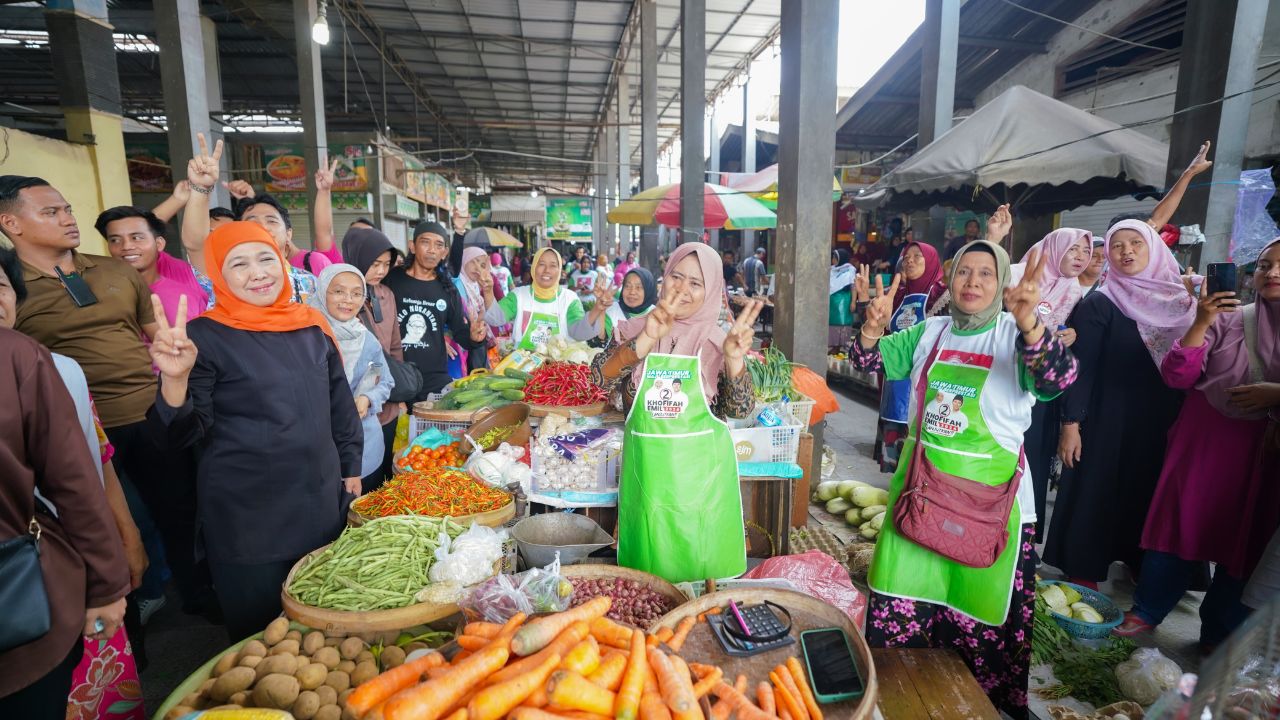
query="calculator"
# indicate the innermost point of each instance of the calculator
(744, 631)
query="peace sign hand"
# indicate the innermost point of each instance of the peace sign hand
(324, 176)
(172, 352)
(479, 330)
(1023, 300)
(862, 284)
(881, 308)
(737, 342)
(202, 170)
(604, 293)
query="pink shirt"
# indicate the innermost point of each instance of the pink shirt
(176, 279)
(320, 259)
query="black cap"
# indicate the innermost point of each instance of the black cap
(430, 226)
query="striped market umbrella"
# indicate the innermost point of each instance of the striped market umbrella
(722, 208)
(763, 186)
(491, 237)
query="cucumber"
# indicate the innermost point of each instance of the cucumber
(448, 402)
(517, 374)
(504, 384)
(463, 397)
(512, 394)
(487, 399)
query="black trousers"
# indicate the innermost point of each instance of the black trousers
(388, 440)
(46, 698)
(249, 594)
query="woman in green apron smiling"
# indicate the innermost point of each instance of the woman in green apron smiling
(542, 310)
(678, 375)
(975, 377)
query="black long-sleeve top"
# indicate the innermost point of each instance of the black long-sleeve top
(426, 309)
(277, 431)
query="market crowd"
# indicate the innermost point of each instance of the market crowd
(208, 420)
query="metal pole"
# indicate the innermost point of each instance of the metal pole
(938, 89)
(609, 141)
(748, 160)
(649, 122)
(624, 154)
(713, 131)
(693, 103)
(311, 94)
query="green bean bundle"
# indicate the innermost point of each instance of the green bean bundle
(380, 565)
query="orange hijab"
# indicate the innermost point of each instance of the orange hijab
(282, 315)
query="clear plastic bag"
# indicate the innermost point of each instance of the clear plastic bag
(816, 573)
(500, 467)
(1147, 675)
(1253, 227)
(532, 591)
(469, 558)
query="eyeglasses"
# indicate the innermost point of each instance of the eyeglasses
(355, 296)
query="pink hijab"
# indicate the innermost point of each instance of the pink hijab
(1155, 299)
(700, 332)
(1059, 292)
(1227, 363)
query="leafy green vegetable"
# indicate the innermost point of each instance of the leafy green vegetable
(1086, 674)
(771, 375)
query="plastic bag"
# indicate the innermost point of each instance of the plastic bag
(499, 468)
(815, 388)
(1146, 675)
(402, 434)
(535, 590)
(1253, 227)
(431, 439)
(840, 308)
(469, 558)
(818, 574)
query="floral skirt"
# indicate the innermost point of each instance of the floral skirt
(105, 684)
(998, 656)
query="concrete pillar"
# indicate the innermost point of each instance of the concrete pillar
(649, 122)
(311, 93)
(693, 103)
(624, 153)
(713, 167)
(185, 83)
(599, 206)
(610, 141)
(1220, 47)
(84, 70)
(937, 91)
(213, 94)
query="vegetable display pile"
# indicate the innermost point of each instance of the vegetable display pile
(1066, 601)
(303, 671)
(1086, 674)
(770, 374)
(378, 566)
(633, 602)
(560, 349)
(862, 505)
(578, 665)
(485, 390)
(436, 493)
(562, 384)
(421, 459)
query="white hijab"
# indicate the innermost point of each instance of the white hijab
(350, 334)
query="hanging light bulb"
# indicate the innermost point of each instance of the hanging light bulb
(320, 30)
(533, 193)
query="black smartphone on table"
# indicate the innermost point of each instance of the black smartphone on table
(77, 288)
(833, 672)
(1220, 277)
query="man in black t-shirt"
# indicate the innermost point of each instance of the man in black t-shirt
(428, 306)
(732, 278)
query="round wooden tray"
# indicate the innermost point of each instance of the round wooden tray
(420, 410)
(807, 613)
(352, 623)
(584, 410)
(657, 584)
(491, 518)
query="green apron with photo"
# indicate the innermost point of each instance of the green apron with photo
(957, 441)
(679, 501)
(545, 320)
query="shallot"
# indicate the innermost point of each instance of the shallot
(633, 602)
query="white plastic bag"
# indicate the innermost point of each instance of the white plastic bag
(499, 467)
(1146, 675)
(468, 558)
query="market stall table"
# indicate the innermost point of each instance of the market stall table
(916, 684)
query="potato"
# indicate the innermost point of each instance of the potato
(276, 691)
(328, 657)
(312, 642)
(179, 711)
(328, 712)
(251, 661)
(351, 647)
(232, 682)
(328, 696)
(346, 666)
(365, 672)
(253, 647)
(285, 647)
(225, 663)
(241, 698)
(342, 696)
(312, 676)
(277, 664)
(392, 656)
(305, 707)
(338, 680)
(293, 635)
(332, 642)
(276, 631)
(364, 656)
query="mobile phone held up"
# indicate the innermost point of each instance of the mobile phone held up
(1220, 277)
(833, 672)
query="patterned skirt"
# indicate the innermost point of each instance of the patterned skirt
(998, 656)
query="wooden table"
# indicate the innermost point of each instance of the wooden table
(928, 684)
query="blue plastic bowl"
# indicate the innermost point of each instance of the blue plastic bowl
(1112, 616)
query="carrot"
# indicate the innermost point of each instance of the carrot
(561, 646)
(567, 690)
(686, 687)
(610, 633)
(783, 714)
(764, 695)
(701, 670)
(739, 704)
(784, 698)
(459, 714)
(652, 707)
(627, 702)
(376, 690)
(528, 713)
(673, 691)
(536, 699)
(482, 629)
(495, 701)
(510, 628)
(609, 674)
(580, 715)
(541, 631)
(802, 684)
(707, 681)
(472, 642)
(584, 658)
(432, 698)
(790, 684)
(721, 710)
(436, 672)
(682, 632)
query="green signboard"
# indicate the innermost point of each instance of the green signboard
(568, 218)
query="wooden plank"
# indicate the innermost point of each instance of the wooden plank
(800, 489)
(932, 683)
(898, 696)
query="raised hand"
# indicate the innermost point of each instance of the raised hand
(239, 189)
(862, 284)
(324, 176)
(1023, 300)
(737, 342)
(203, 170)
(880, 309)
(182, 191)
(999, 224)
(172, 352)
(657, 324)
(1200, 162)
(604, 293)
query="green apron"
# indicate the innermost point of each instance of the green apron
(679, 501)
(538, 322)
(541, 328)
(958, 442)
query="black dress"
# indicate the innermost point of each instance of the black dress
(1125, 411)
(271, 417)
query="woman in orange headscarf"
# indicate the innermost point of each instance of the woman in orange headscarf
(258, 384)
